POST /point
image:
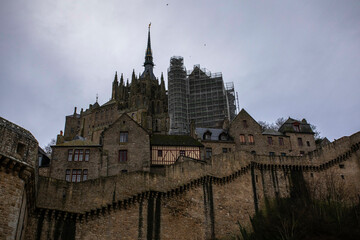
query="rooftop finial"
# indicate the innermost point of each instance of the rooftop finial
(97, 97)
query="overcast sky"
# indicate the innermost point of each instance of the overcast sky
(286, 58)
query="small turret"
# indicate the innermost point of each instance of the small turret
(121, 88)
(115, 87)
(134, 85)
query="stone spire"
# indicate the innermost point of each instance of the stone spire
(148, 54)
(121, 88)
(148, 64)
(162, 88)
(134, 85)
(115, 87)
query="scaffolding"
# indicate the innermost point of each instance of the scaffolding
(178, 96)
(197, 95)
(230, 95)
(208, 105)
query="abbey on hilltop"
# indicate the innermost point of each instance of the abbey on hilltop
(116, 173)
(144, 100)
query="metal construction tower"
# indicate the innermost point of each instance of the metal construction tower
(178, 97)
(198, 95)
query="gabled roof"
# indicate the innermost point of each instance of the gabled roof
(289, 124)
(242, 113)
(174, 140)
(125, 115)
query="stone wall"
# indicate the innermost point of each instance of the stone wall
(11, 200)
(192, 199)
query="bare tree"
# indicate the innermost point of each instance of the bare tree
(273, 126)
(47, 148)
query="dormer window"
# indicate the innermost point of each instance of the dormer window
(296, 127)
(223, 137)
(207, 135)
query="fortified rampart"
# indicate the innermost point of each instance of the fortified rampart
(192, 200)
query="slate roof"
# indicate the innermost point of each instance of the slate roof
(272, 132)
(174, 140)
(15, 128)
(288, 126)
(110, 102)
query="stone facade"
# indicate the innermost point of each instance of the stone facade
(249, 136)
(135, 147)
(124, 137)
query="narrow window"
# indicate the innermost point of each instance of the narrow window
(229, 149)
(182, 152)
(85, 174)
(122, 155)
(308, 143)
(81, 154)
(271, 154)
(159, 153)
(87, 155)
(300, 142)
(70, 152)
(124, 137)
(242, 139)
(281, 141)
(67, 175)
(311, 175)
(208, 153)
(342, 176)
(302, 153)
(251, 139)
(341, 166)
(76, 155)
(253, 152)
(224, 150)
(78, 175)
(73, 176)
(283, 154)
(270, 141)
(245, 125)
